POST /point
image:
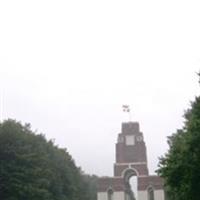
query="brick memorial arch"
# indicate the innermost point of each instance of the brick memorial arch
(131, 160)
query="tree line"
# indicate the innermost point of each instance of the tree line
(33, 168)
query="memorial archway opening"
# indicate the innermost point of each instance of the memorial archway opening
(130, 180)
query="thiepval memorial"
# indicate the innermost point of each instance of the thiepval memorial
(131, 160)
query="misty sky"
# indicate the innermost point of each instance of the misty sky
(66, 67)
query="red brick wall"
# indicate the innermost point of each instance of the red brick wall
(155, 181)
(141, 169)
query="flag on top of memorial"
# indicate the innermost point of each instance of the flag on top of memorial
(126, 108)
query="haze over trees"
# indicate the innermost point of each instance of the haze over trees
(36, 169)
(180, 166)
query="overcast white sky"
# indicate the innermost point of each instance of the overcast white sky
(68, 66)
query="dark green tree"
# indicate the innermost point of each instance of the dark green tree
(35, 169)
(180, 166)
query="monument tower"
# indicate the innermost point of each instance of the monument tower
(131, 160)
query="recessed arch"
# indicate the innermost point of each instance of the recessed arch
(110, 193)
(129, 172)
(150, 192)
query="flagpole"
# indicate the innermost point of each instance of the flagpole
(130, 115)
(126, 108)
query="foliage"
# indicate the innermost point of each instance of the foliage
(180, 167)
(90, 185)
(33, 168)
